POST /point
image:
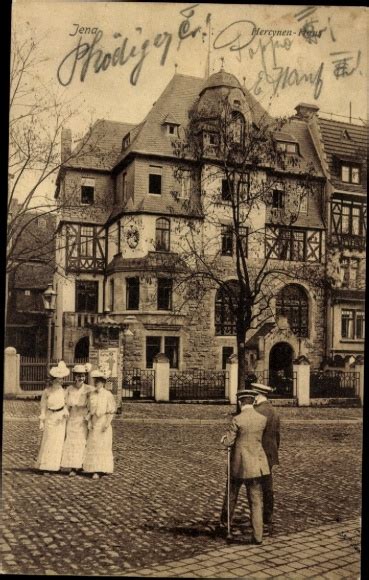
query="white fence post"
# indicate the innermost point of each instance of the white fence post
(232, 369)
(301, 366)
(11, 372)
(161, 368)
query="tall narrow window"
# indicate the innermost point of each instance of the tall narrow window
(165, 289)
(153, 345)
(292, 303)
(347, 324)
(185, 184)
(111, 306)
(162, 235)
(87, 241)
(87, 191)
(86, 296)
(155, 175)
(227, 240)
(227, 351)
(171, 350)
(226, 190)
(132, 293)
(237, 127)
(278, 197)
(124, 187)
(225, 303)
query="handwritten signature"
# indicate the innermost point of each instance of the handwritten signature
(90, 56)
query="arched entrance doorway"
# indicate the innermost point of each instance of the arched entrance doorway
(82, 348)
(281, 369)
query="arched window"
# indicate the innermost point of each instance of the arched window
(225, 322)
(292, 302)
(162, 235)
(237, 127)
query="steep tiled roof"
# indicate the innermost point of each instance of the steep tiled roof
(103, 146)
(309, 159)
(346, 142)
(175, 101)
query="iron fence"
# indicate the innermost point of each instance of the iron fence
(333, 384)
(197, 384)
(285, 387)
(34, 374)
(138, 384)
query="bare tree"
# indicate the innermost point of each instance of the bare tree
(239, 230)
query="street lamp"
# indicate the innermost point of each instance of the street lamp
(49, 299)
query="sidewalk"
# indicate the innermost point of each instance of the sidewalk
(330, 552)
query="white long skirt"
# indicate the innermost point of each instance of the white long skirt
(49, 456)
(99, 448)
(76, 438)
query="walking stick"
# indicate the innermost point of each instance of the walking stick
(229, 533)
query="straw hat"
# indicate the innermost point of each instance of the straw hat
(82, 368)
(59, 372)
(101, 374)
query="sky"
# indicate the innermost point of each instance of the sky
(283, 54)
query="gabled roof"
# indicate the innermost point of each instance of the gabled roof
(337, 146)
(103, 146)
(175, 101)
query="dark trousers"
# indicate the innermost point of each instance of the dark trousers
(268, 498)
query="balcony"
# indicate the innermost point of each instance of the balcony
(79, 319)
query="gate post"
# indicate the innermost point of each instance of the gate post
(232, 369)
(359, 368)
(11, 371)
(161, 368)
(301, 366)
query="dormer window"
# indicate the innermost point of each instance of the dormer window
(350, 173)
(237, 103)
(126, 141)
(172, 129)
(287, 147)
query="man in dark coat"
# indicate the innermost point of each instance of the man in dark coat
(270, 441)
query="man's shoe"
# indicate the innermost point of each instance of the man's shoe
(256, 542)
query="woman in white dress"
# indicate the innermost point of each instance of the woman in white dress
(53, 418)
(76, 433)
(101, 408)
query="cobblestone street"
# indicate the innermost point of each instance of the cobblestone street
(162, 501)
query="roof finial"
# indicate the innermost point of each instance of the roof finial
(244, 82)
(222, 59)
(175, 68)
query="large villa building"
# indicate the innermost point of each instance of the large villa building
(125, 212)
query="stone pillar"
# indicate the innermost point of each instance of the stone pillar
(232, 368)
(301, 366)
(161, 368)
(359, 368)
(11, 372)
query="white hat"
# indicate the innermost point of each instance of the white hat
(59, 372)
(101, 374)
(262, 389)
(82, 368)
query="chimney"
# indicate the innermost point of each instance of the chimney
(305, 111)
(66, 144)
